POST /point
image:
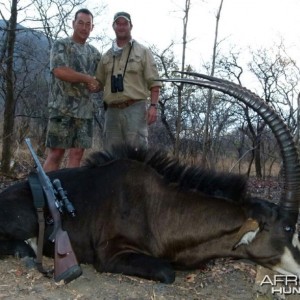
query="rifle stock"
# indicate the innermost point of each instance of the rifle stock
(66, 267)
(65, 263)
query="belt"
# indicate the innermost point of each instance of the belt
(123, 104)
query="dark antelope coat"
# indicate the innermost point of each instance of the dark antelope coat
(145, 214)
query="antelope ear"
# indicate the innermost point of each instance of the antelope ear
(247, 233)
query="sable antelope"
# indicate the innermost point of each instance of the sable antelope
(144, 214)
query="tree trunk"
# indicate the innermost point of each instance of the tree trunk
(9, 109)
(297, 134)
(206, 142)
(180, 88)
(258, 167)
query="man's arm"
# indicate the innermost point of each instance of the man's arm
(154, 97)
(70, 75)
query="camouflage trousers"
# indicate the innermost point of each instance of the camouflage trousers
(68, 132)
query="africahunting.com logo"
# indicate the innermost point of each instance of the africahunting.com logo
(282, 284)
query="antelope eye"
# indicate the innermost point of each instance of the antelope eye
(288, 228)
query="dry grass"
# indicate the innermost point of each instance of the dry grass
(22, 160)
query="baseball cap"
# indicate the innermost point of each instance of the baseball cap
(122, 14)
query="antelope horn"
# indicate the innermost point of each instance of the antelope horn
(290, 196)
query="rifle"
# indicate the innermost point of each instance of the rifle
(66, 267)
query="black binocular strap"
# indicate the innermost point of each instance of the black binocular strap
(113, 66)
(39, 203)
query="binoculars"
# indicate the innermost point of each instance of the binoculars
(117, 83)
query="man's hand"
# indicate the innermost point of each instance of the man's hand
(93, 85)
(152, 115)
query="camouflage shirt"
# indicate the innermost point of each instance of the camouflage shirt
(71, 99)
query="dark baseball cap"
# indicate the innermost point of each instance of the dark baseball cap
(122, 14)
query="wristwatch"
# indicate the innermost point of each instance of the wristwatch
(154, 105)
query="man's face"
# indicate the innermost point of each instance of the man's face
(83, 25)
(122, 28)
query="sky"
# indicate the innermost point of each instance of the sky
(243, 23)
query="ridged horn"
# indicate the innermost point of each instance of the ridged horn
(290, 196)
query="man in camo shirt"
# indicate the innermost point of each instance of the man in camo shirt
(73, 63)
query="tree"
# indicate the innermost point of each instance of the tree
(165, 62)
(180, 86)
(10, 100)
(278, 81)
(206, 143)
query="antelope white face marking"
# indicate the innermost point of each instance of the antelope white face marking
(33, 244)
(287, 264)
(295, 240)
(247, 238)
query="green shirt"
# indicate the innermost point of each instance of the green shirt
(71, 99)
(138, 78)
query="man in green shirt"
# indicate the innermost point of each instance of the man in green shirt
(127, 71)
(73, 63)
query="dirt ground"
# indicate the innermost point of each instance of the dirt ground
(222, 279)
